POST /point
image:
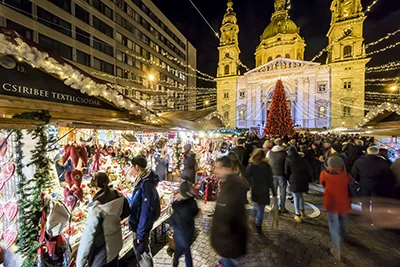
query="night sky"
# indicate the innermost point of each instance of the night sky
(312, 16)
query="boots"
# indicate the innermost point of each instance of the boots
(297, 218)
(302, 214)
(335, 254)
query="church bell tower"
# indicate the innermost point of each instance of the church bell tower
(347, 59)
(228, 66)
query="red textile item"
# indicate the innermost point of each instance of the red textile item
(83, 155)
(336, 195)
(74, 155)
(69, 178)
(69, 198)
(66, 153)
(76, 178)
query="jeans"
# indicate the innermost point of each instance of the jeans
(337, 228)
(183, 241)
(281, 182)
(298, 202)
(228, 262)
(260, 214)
(113, 263)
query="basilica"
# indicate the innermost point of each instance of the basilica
(318, 95)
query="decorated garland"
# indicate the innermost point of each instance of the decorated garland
(177, 155)
(30, 189)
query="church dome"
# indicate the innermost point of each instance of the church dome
(278, 25)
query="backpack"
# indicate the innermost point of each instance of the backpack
(156, 207)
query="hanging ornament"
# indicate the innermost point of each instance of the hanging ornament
(3, 146)
(11, 210)
(10, 236)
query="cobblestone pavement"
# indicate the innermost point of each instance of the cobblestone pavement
(293, 244)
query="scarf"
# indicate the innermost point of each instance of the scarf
(141, 176)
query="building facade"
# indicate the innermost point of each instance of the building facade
(330, 95)
(127, 43)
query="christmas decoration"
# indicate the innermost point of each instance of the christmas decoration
(10, 210)
(7, 171)
(30, 189)
(10, 236)
(178, 155)
(379, 110)
(3, 147)
(279, 120)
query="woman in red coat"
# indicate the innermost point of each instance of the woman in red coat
(337, 203)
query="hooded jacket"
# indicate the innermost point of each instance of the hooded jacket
(336, 194)
(145, 202)
(101, 240)
(277, 156)
(229, 226)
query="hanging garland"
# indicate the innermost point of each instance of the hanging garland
(30, 189)
(178, 155)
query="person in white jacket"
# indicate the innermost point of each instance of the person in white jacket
(101, 240)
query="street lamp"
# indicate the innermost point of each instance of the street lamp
(206, 103)
(395, 88)
(151, 77)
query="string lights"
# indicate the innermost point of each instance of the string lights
(382, 39)
(379, 110)
(69, 75)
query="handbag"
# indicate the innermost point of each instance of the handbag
(354, 188)
(57, 219)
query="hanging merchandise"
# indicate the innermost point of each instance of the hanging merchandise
(10, 236)
(3, 147)
(7, 171)
(10, 210)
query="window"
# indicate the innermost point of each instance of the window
(287, 56)
(120, 55)
(103, 27)
(121, 73)
(82, 58)
(63, 4)
(119, 38)
(347, 51)
(269, 59)
(241, 115)
(82, 36)
(347, 85)
(226, 70)
(104, 9)
(226, 95)
(278, 56)
(103, 47)
(103, 66)
(346, 111)
(321, 87)
(22, 6)
(226, 115)
(53, 21)
(321, 112)
(242, 95)
(28, 33)
(81, 14)
(56, 47)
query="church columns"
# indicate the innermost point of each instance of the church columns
(311, 104)
(306, 110)
(299, 102)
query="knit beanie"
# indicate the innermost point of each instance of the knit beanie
(292, 150)
(335, 162)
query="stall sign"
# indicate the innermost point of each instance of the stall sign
(22, 80)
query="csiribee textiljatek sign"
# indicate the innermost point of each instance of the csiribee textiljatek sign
(22, 80)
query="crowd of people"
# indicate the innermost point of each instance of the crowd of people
(269, 167)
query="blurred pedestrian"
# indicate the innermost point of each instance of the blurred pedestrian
(336, 203)
(297, 169)
(259, 173)
(182, 220)
(101, 240)
(229, 226)
(277, 156)
(189, 164)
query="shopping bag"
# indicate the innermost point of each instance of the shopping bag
(146, 260)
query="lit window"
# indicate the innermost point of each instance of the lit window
(321, 112)
(241, 115)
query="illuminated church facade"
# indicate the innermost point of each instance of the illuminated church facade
(319, 95)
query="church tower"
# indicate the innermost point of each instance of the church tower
(228, 66)
(347, 60)
(281, 38)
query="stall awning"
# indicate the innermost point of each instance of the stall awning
(207, 119)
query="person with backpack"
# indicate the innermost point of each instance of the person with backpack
(182, 220)
(102, 237)
(145, 208)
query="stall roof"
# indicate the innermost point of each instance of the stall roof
(207, 119)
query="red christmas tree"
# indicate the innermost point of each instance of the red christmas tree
(279, 120)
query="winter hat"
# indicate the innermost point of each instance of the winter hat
(335, 162)
(187, 147)
(337, 147)
(292, 150)
(185, 190)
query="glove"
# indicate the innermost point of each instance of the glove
(139, 247)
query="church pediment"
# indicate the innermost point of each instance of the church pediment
(282, 63)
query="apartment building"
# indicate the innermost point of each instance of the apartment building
(127, 43)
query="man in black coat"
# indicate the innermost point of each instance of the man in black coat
(229, 226)
(374, 175)
(241, 152)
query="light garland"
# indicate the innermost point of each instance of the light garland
(370, 6)
(383, 38)
(69, 75)
(384, 49)
(383, 79)
(379, 110)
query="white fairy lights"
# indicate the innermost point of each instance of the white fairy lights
(379, 110)
(69, 75)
